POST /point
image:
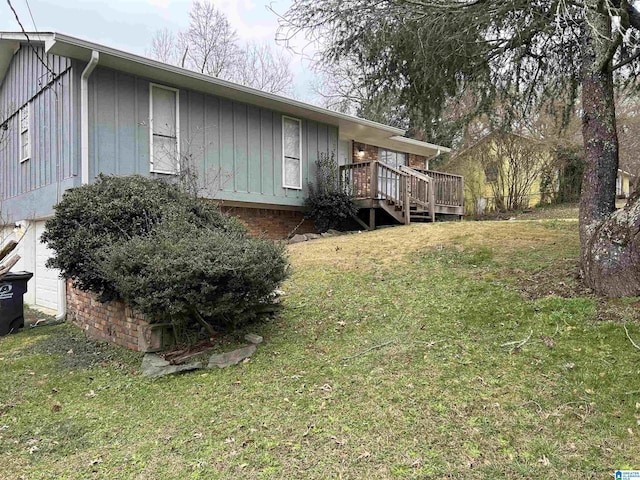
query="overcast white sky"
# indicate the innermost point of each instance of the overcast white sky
(129, 24)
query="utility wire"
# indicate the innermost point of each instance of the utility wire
(31, 15)
(29, 40)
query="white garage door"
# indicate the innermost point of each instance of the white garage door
(46, 279)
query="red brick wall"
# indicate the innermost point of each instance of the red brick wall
(417, 161)
(111, 321)
(371, 154)
(274, 224)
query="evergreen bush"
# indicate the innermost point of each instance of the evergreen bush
(164, 252)
(329, 204)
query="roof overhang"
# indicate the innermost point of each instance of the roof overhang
(350, 127)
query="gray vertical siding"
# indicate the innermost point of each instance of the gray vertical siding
(119, 124)
(53, 158)
(236, 147)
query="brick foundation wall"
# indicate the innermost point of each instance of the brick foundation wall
(271, 223)
(113, 322)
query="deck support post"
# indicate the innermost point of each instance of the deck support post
(406, 203)
(372, 219)
(432, 199)
(462, 195)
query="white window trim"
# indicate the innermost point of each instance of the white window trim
(284, 180)
(177, 91)
(22, 130)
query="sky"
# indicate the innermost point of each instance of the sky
(129, 24)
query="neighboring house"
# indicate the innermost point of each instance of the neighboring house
(505, 172)
(94, 109)
(624, 184)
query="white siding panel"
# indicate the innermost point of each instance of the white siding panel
(46, 279)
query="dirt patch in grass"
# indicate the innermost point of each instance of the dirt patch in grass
(32, 316)
(619, 310)
(76, 351)
(560, 279)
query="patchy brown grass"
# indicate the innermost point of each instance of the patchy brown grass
(429, 351)
(389, 246)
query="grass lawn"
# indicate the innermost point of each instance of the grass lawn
(455, 350)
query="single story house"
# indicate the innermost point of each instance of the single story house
(71, 109)
(505, 171)
(624, 183)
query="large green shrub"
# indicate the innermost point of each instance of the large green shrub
(180, 271)
(329, 204)
(111, 210)
(166, 253)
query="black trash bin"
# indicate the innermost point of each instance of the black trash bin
(12, 287)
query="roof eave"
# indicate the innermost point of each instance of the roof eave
(350, 127)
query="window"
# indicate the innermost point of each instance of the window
(25, 135)
(292, 153)
(392, 158)
(164, 128)
(491, 172)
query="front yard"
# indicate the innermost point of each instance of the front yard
(455, 350)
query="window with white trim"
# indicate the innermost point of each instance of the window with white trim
(164, 128)
(25, 133)
(291, 153)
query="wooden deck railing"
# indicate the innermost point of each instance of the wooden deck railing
(355, 179)
(392, 183)
(404, 187)
(449, 188)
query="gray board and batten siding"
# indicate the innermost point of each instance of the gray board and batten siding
(30, 187)
(237, 147)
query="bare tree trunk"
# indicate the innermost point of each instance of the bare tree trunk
(610, 244)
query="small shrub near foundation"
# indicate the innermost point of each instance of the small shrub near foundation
(329, 204)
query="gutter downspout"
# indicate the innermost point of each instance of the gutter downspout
(84, 159)
(84, 116)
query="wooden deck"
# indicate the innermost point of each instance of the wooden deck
(406, 194)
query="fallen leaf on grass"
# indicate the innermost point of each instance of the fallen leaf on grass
(339, 441)
(548, 341)
(91, 394)
(56, 408)
(364, 455)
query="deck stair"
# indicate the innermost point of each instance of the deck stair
(406, 194)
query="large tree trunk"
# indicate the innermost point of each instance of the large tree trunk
(610, 242)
